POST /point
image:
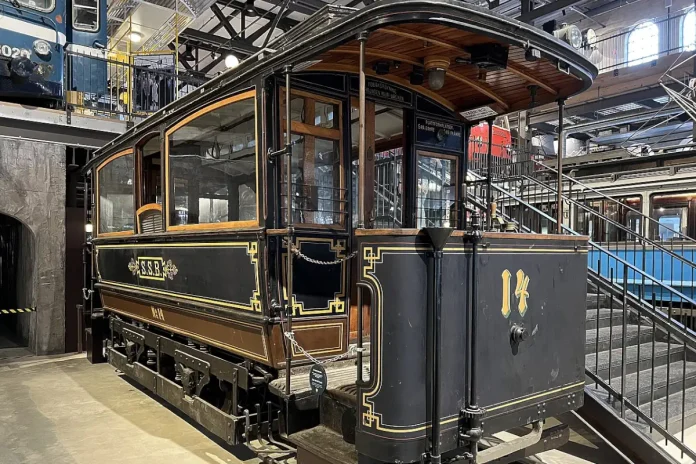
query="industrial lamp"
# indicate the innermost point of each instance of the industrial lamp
(436, 66)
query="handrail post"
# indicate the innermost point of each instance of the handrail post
(288, 171)
(559, 167)
(362, 142)
(489, 171)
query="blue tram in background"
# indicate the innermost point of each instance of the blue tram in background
(34, 38)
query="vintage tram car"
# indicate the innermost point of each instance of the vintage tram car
(240, 272)
(34, 37)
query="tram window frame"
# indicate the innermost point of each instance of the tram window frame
(602, 235)
(98, 190)
(689, 202)
(169, 198)
(453, 209)
(317, 131)
(48, 9)
(139, 181)
(81, 26)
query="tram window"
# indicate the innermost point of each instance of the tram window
(601, 230)
(150, 172)
(317, 174)
(41, 5)
(436, 195)
(86, 15)
(324, 114)
(116, 203)
(212, 165)
(672, 212)
(388, 163)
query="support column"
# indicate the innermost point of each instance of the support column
(559, 167)
(362, 161)
(489, 172)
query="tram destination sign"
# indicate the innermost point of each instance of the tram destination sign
(381, 90)
(438, 134)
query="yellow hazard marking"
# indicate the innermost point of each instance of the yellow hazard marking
(17, 310)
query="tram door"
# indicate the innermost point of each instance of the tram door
(384, 190)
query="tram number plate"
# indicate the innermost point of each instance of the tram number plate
(14, 52)
(317, 379)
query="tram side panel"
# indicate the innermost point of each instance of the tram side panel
(534, 285)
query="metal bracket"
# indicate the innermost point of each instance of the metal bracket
(133, 340)
(188, 365)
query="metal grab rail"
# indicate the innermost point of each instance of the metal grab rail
(604, 196)
(642, 309)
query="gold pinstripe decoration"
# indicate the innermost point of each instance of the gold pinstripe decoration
(17, 310)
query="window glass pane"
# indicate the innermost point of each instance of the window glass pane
(212, 166)
(325, 115)
(689, 31)
(643, 43)
(86, 15)
(116, 192)
(316, 179)
(671, 219)
(436, 192)
(43, 5)
(150, 180)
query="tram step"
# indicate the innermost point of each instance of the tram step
(598, 340)
(676, 353)
(672, 411)
(638, 384)
(321, 444)
(337, 411)
(607, 317)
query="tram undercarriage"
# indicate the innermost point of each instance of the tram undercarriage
(290, 256)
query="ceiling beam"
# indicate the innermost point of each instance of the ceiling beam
(512, 66)
(215, 42)
(224, 22)
(545, 12)
(284, 23)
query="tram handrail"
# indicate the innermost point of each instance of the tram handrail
(616, 224)
(614, 200)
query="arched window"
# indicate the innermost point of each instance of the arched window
(643, 43)
(689, 31)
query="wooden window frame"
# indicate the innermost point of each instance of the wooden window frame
(128, 151)
(228, 225)
(336, 135)
(451, 157)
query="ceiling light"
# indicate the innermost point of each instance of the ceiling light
(231, 61)
(570, 34)
(437, 68)
(249, 9)
(136, 36)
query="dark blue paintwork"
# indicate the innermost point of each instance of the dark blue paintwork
(46, 77)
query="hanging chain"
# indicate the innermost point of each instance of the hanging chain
(296, 251)
(291, 336)
(86, 293)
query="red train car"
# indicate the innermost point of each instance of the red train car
(478, 142)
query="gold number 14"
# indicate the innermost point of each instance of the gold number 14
(521, 292)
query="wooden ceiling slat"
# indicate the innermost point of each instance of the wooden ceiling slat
(485, 89)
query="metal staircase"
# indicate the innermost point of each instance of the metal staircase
(640, 358)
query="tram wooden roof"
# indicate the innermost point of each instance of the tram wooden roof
(465, 88)
(406, 31)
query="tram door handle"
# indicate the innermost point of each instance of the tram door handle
(361, 286)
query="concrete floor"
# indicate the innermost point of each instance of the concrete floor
(63, 410)
(66, 411)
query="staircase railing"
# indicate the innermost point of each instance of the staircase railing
(663, 263)
(642, 322)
